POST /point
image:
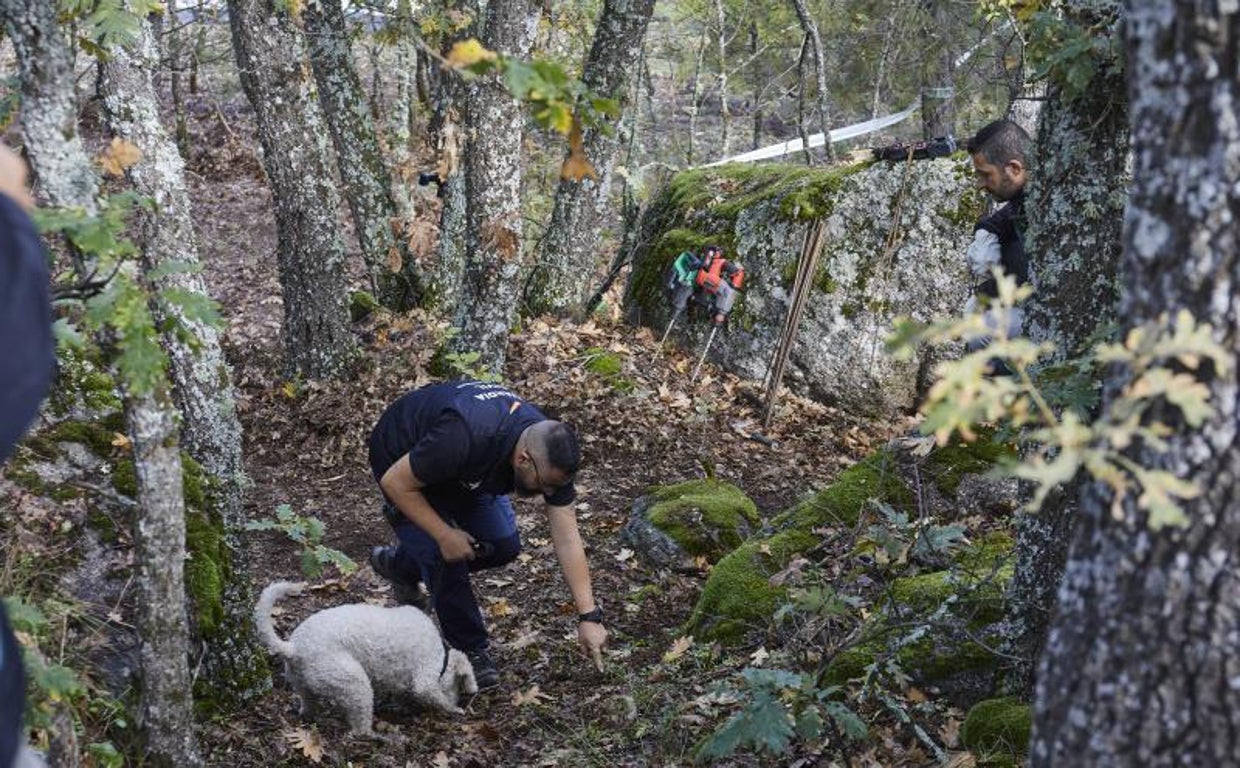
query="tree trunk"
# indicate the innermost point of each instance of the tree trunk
(1076, 202)
(1076, 209)
(493, 195)
(165, 714)
(367, 183)
(271, 59)
(758, 82)
(938, 102)
(695, 102)
(725, 114)
(401, 114)
(572, 244)
(810, 28)
(1140, 666)
(176, 60)
(63, 174)
(235, 667)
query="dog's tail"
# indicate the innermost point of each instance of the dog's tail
(262, 617)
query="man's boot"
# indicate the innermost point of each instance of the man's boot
(486, 674)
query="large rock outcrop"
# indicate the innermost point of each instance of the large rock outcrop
(896, 236)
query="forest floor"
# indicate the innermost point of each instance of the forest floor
(650, 424)
(658, 695)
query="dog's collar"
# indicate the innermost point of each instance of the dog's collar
(446, 650)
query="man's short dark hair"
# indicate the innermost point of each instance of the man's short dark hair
(563, 450)
(1000, 142)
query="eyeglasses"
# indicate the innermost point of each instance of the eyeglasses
(544, 487)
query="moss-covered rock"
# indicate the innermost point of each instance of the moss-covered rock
(98, 435)
(997, 730)
(82, 382)
(361, 304)
(840, 503)
(739, 597)
(205, 570)
(706, 518)
(894, 247)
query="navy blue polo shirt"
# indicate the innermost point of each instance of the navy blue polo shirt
(458, 433)
(27, 353)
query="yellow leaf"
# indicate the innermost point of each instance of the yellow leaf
(118, 156)
(577, 167)
(121, 441)
(679, 646)
(466, 53)
(307, 741)
(500, 607)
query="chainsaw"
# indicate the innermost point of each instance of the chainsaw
(718, 281)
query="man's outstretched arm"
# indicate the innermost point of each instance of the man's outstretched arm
(571, 553)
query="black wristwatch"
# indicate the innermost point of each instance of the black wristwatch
(595, 616)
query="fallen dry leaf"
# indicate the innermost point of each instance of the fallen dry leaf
(679, 646)
(308, 741)
(950, 733)
(118, 156)
(531, 696)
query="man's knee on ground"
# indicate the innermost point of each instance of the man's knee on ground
(504, 551)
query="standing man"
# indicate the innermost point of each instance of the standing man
(1000, 167)
(27, 355)
(446, 457)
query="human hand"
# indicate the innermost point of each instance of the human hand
(456, 545)
(593, 637)
(13, 178)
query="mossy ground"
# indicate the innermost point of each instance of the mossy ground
(976, 586)
(705, 517)
(946, 465)
(361, 304)
(608, 366)
(998, 731)
(738, 596)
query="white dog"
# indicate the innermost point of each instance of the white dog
(343, 657)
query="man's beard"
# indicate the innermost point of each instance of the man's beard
(525, 491)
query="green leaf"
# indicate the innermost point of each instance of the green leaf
(194, 305)
(809, 723)
(105, 755)
(763, 725)
(848, 721)
(59, 682)
(66, 334)
(311, 567)
(24, 616)
(112, 25)
(314, 529)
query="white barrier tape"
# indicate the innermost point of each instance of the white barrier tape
(848, 131)
(816, 140)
